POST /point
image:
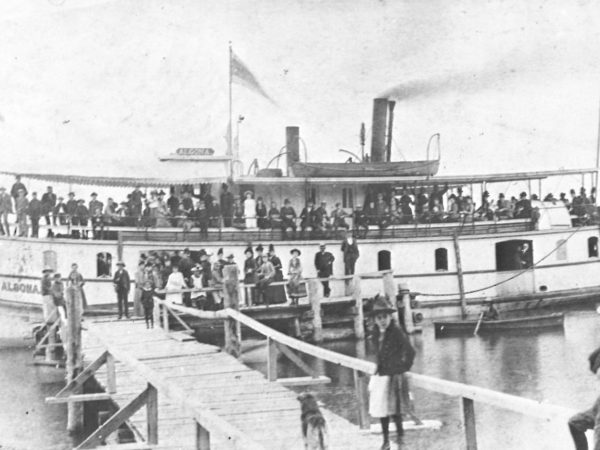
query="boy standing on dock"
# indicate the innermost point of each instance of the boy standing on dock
(589, 419)
(122, 284)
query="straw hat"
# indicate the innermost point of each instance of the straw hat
(295, 250)
(381, 305)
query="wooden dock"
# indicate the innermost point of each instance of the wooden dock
(266, 412)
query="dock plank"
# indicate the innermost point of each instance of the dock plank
(268, 412)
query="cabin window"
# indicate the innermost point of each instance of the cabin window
(593, 247)
(103, 264)
(561, 250)
(514, 255)
(441, 259)
(384, 260)
(49, 257)
(347, 198)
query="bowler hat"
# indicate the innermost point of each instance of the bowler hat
(295, 250)
(259, 248)
(271, 248)
(523, 194)
(121, 263)
(381, 305)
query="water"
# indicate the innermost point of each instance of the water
(547, 366)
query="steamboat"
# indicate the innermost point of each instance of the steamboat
(453, 263)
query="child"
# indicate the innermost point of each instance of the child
(148, 287)
(589, 419)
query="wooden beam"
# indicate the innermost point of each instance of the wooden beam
(83, 376)
(362, 397)
(47, 335)
(303, 381)
(359, 319)
(115, 421)
(78, 398)
(74, 365)
(231, 300)
(111, 375)
(468, 410)
(272, 353)
(180, 320)
(315, 294)
(296, 360)
(152, 415)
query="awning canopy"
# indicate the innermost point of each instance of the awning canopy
(451, 180)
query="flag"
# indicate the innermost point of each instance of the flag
(242, 75)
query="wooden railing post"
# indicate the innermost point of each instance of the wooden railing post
(315, 294)
(390, 292)
(202, 438)
(152, 415)
(165, 314)
(409, 325)
(156, 311)
(111, 376)
(231, 299)
(272, 353)
(362, 397)
(359, 318)
(468, 410)
(74, 356)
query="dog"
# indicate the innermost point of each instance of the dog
(314, 427)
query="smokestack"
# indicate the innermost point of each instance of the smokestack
(391, 105)
(292, 144)
(380, 106)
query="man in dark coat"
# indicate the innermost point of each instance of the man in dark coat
(71, 206)
(288, 217)
(48, 204)
(122, 285)
(34, 211)
(14, 190)
(226, 205)
(395, 355)
(324, 265)
(588, 419)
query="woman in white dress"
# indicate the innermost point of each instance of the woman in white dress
(250, 210)
(175, 282)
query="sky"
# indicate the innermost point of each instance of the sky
(101, 87)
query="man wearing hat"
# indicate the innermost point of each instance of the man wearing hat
(6, 208)
(48, 204)
(34, 211)
(395, 355)
(71, 206)
(259, 254)
(324, 265)
(288, 217)
(523, 207)
(46, 290)
(361, 221)
(21, 208)
(589, 419)
(122, 284)
(249, 275)
(226, 205)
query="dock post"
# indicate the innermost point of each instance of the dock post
(315, 293)
(202, 438)
(165, 314)
(360, 386)
(74, 356)
(468, 410)
(390, 292)
(156, 311)
(359, 318)
(152, 415)
(272, 353)
(409, 325)
(231, 299)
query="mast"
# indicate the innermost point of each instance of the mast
(595, 183)
(230, 133)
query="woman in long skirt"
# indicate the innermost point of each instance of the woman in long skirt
(175, 282)
(395, 356)
(250, 210)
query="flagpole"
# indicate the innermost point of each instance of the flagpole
(229, 137)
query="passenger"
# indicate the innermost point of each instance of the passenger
(81, 217)
(135, 204)
(276, 294)
(198, 298)
(200, 218)
(249, 276)
(436, 211)
(96, 208)
(46, 290)
(16, 187)
(175, 282)
(227, 205)
(503, 210)
(187, 204)
(590, 418)
(437, 194)
(405, 208)
(288, 218)
(148, 285)
(216, 281)
(322, 220)
(238, 213)
(48, 205)
(214, 215)
(6, 208)
(307, 218)
(265, 275)
(563, 198)
(421, 200)
(453, 213)
(295, 276)
(324, 265)
(121, 283)
(523, 207)
(382, 212)
(250, 210)
(350, 251)
(34, 211)
(491, 313)
(173, 207)
(395, 356)
(60, 211)
(21, 207)
(58, 295)
(261, 214)
(274, 217)
(361, 222)
(593, 196)
(339, 218)
(468, 209)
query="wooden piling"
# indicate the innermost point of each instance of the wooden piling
(362, 397)
(468, 409)
(202, 438)
(152, 415)
(74, 356)
(272, 353)
(231, 299)
(359, 318)
(409, 325)
(315, 295)
(389, 290)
